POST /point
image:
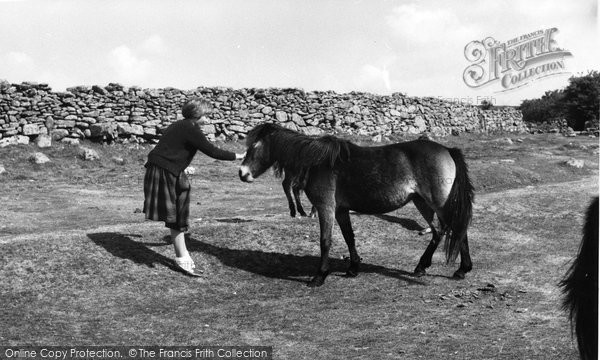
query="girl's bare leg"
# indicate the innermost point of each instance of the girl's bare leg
(178, 238)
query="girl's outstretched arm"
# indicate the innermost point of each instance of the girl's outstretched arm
(197, 139)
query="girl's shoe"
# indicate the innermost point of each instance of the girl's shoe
(186, 264)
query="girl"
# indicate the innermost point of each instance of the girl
(166, 186)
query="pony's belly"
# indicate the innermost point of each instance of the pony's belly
(377, 201)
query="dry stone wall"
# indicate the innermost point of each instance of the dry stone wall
(115, 112)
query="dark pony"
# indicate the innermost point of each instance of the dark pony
(342, 176)
(580, 286)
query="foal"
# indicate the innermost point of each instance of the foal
(293, 183)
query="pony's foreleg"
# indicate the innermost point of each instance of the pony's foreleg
(296, 192)
(287, 185)
(326, 217)
(465, 260)
(343, 219)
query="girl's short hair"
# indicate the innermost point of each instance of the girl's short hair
(196, 108)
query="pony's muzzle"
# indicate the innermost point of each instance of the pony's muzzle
(245, 174)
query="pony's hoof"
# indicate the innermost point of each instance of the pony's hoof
(419, 271)
(353, 269)
(316, 282)
(459, 275)
(351, 273)
(318, 279)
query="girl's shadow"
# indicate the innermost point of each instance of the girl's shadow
(124, 247)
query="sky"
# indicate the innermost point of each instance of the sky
(376, 46)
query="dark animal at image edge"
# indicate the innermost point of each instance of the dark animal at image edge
(580, 287)
(342, 176)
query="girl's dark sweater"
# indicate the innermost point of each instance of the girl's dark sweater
(178, 145)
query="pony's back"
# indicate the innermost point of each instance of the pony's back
(580, 287)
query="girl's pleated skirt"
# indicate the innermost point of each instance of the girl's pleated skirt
(167, 197)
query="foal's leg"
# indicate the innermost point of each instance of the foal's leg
(343, 218)
(296, 192)
(287, 185)
(436, 231)
(465, 260)
(326, 216)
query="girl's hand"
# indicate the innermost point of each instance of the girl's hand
(240, 156)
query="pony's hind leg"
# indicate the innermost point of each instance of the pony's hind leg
(436, 231)
(465, 260)
(343, 218)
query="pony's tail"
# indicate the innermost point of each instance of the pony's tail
(458, 208)
(580, 288)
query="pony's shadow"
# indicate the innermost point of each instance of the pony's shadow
(408, 224)
(268, 264)
(287, 266)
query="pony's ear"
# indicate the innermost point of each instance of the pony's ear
(260, 132)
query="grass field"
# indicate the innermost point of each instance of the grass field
(80, 266)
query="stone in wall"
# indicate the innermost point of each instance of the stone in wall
(312, 131)
(31, 129)
(103, 129)
(281, 116)
(59, 134)
(129, 129)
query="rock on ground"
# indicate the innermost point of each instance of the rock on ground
(576, 163)
(39, 158)
(88, 154)
(118, 160)
(43, 141)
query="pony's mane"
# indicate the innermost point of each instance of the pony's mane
(293, 151)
